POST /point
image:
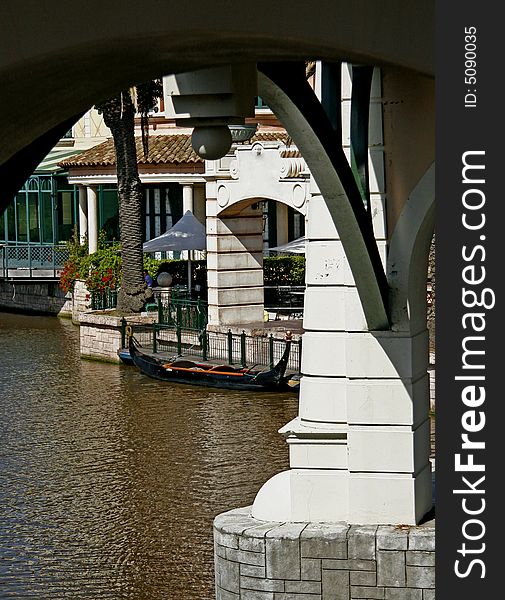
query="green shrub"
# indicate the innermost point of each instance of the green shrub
(284, 270)
(278, 270)
(151, 266)
(179, 270)
(103, 268)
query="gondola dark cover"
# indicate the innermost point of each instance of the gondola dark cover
(205, 374)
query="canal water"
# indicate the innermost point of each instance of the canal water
(109, 481)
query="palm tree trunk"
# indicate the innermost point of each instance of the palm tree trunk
(119, 115)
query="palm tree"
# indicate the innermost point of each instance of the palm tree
(119, 116)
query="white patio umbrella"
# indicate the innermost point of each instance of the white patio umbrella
(187, 234)
(294, 247)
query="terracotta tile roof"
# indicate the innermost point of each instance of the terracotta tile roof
(163, 149)
(269, 136)
(291, 153)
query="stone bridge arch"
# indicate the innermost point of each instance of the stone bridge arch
(407, 264)
(84, 54)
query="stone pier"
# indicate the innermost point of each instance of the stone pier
(261, 560)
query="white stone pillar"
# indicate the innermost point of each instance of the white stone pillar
(92, 219)
(83, 213)
(376, 175)
(282, 223)
(187, 204)
(359, 449)
(187, 198)
(376, 168)
(234, 264)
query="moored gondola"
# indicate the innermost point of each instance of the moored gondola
(211, 375)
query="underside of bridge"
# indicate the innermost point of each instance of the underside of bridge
(84, 54)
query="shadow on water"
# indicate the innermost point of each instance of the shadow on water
(109, 481)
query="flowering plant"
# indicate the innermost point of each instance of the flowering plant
(68, 276)
(101, 270)
(101, 279)
(73, 266)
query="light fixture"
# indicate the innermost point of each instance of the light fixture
(242, 133)
(216, 102)
(211, 142)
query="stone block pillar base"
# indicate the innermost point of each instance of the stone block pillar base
(321, 561)
(234, 265)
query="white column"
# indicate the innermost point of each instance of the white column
(83, 213)
(359, 449)
(187, 204)
(187, 198)
(92, 219)
(282, 223)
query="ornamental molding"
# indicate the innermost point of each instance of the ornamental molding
(259, 171)
(293, 167)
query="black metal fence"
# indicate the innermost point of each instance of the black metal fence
(234, 349)
(103, 299)
(175, 309)
(183, 313)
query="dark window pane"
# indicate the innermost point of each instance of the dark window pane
(11, 223)
(46, 212)
(175, 201)
(22, 218)
(65, 216)
(109, 214)
(33, 216)
(2, 228)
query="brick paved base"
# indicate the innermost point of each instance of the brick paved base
(255, 560)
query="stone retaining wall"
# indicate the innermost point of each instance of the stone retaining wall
(100, 334)
(255, 560)
(40, 297)
(80, 300)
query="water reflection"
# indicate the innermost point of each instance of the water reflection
(109, 481)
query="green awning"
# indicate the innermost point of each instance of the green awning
(50, 162)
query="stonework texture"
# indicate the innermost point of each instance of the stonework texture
(80, 300)
(46, 298)
(255, 560)
(100, 334)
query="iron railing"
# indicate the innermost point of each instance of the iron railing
(284, 301)
(183, 313)
(232, 348)
(29, 261)
(103, 299)
(173, 311)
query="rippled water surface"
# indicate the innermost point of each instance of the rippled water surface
(109, 481)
